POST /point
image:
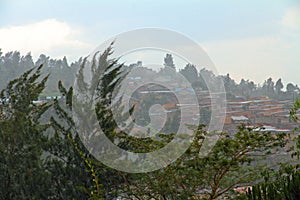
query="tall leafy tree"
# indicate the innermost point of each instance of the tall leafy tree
(234, 161)
(22, 173)
(268, 87)
(290, 87)
(281, 183)
(190, 73)
(35, 165)
(278, 86)
(168, 61)
(97, 180)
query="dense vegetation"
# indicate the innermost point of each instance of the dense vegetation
(42, 156)
(284, 183)
(12, 65)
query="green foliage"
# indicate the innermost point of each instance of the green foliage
(13, 65)
(293, 116)
(190, 73)
(229, 164)
(22, 173)
(50, 161)
(293, 112)
(100, 181)
(214, 175)
(68, 162)
(283, 184)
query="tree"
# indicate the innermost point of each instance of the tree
(229, 83)
(69, 161)
(22, 173)
(190, 73)
(278, 86)
(294, 117)
(40, 161)
(204, 78)
(290, 88)
(97, 181)
(268, 87)
(246, 88)
(281, 183)
(228, 165)
(169, 67)
(12, 65)
(168, 61)
(233, 161)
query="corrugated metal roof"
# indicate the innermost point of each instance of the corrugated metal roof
(239, 118)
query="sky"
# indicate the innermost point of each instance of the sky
(253, 40)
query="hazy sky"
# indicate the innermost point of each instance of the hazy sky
(253, 39)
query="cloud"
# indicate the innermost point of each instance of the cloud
(291, 19)
(49, 36)
(255, 58)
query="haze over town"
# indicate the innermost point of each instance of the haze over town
(148, 99)
(252, 40)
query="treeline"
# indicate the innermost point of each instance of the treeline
(48, 160)
(13, 64)
(245, 88)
